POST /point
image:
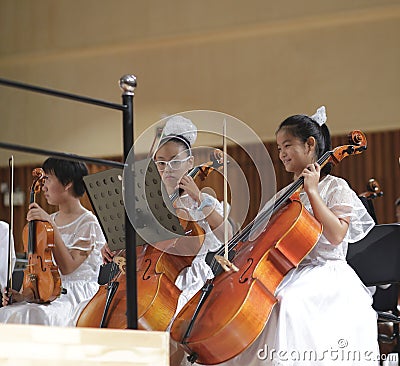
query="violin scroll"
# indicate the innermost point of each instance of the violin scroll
(38, 180)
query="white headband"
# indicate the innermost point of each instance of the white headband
(320, 116)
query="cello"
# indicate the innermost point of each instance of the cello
(41, 275)
(373, 191)
(212, 332)
(157, 271)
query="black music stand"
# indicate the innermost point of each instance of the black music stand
(376, 258)
(154, 219)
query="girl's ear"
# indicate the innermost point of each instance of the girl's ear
(191, 162)
(311, 143)
(68, 186)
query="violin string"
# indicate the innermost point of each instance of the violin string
(174, 196)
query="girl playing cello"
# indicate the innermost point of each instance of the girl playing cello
(78, 239)
(174, 160)
(324, 314)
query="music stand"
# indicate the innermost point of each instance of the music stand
(376, 258)
(153, 220)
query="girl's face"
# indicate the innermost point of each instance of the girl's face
(54, 191)
(173, 163)
(295, 154)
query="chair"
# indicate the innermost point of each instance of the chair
(18, 273)
(376, 260)
(386, 305)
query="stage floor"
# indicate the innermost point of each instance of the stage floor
(43, 345)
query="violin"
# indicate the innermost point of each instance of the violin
(231, 310)
(41, 275)
(157, 271)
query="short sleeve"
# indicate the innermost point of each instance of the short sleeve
(344, 202)
(87, 235)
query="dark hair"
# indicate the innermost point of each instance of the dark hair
(303, 127)
(178, 139)
(66, 172)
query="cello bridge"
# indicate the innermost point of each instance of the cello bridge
(226, 264)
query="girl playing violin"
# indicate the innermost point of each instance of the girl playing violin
(324, 314)
(78, 239)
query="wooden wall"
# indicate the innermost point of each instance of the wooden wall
(379, 161)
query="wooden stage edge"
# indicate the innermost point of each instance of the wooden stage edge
(44, 345)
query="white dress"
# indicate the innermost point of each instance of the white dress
(324, 314)
(192, 278)
(4, 254)
(80, 284)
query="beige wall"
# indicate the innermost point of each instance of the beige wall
(257, 60)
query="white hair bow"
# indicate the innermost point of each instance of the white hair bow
(320, 116)
(178, 125)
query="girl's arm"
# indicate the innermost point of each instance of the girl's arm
(216, 222)
(214, 219)
(68, 260)
(334, 228)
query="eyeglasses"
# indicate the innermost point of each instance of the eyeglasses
(175, 164)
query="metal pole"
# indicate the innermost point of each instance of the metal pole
(128, 85)
(61, 155)
(60, 94)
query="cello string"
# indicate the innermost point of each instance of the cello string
(260, 219)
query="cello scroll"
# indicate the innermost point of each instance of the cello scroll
(374, 190)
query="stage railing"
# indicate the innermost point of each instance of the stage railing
(127, 84)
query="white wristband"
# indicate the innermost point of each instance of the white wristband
(206, 202)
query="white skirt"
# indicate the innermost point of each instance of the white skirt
(57, 313)
(323, 317)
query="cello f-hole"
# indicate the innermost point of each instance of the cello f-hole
(241, 279)
(148, 266)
